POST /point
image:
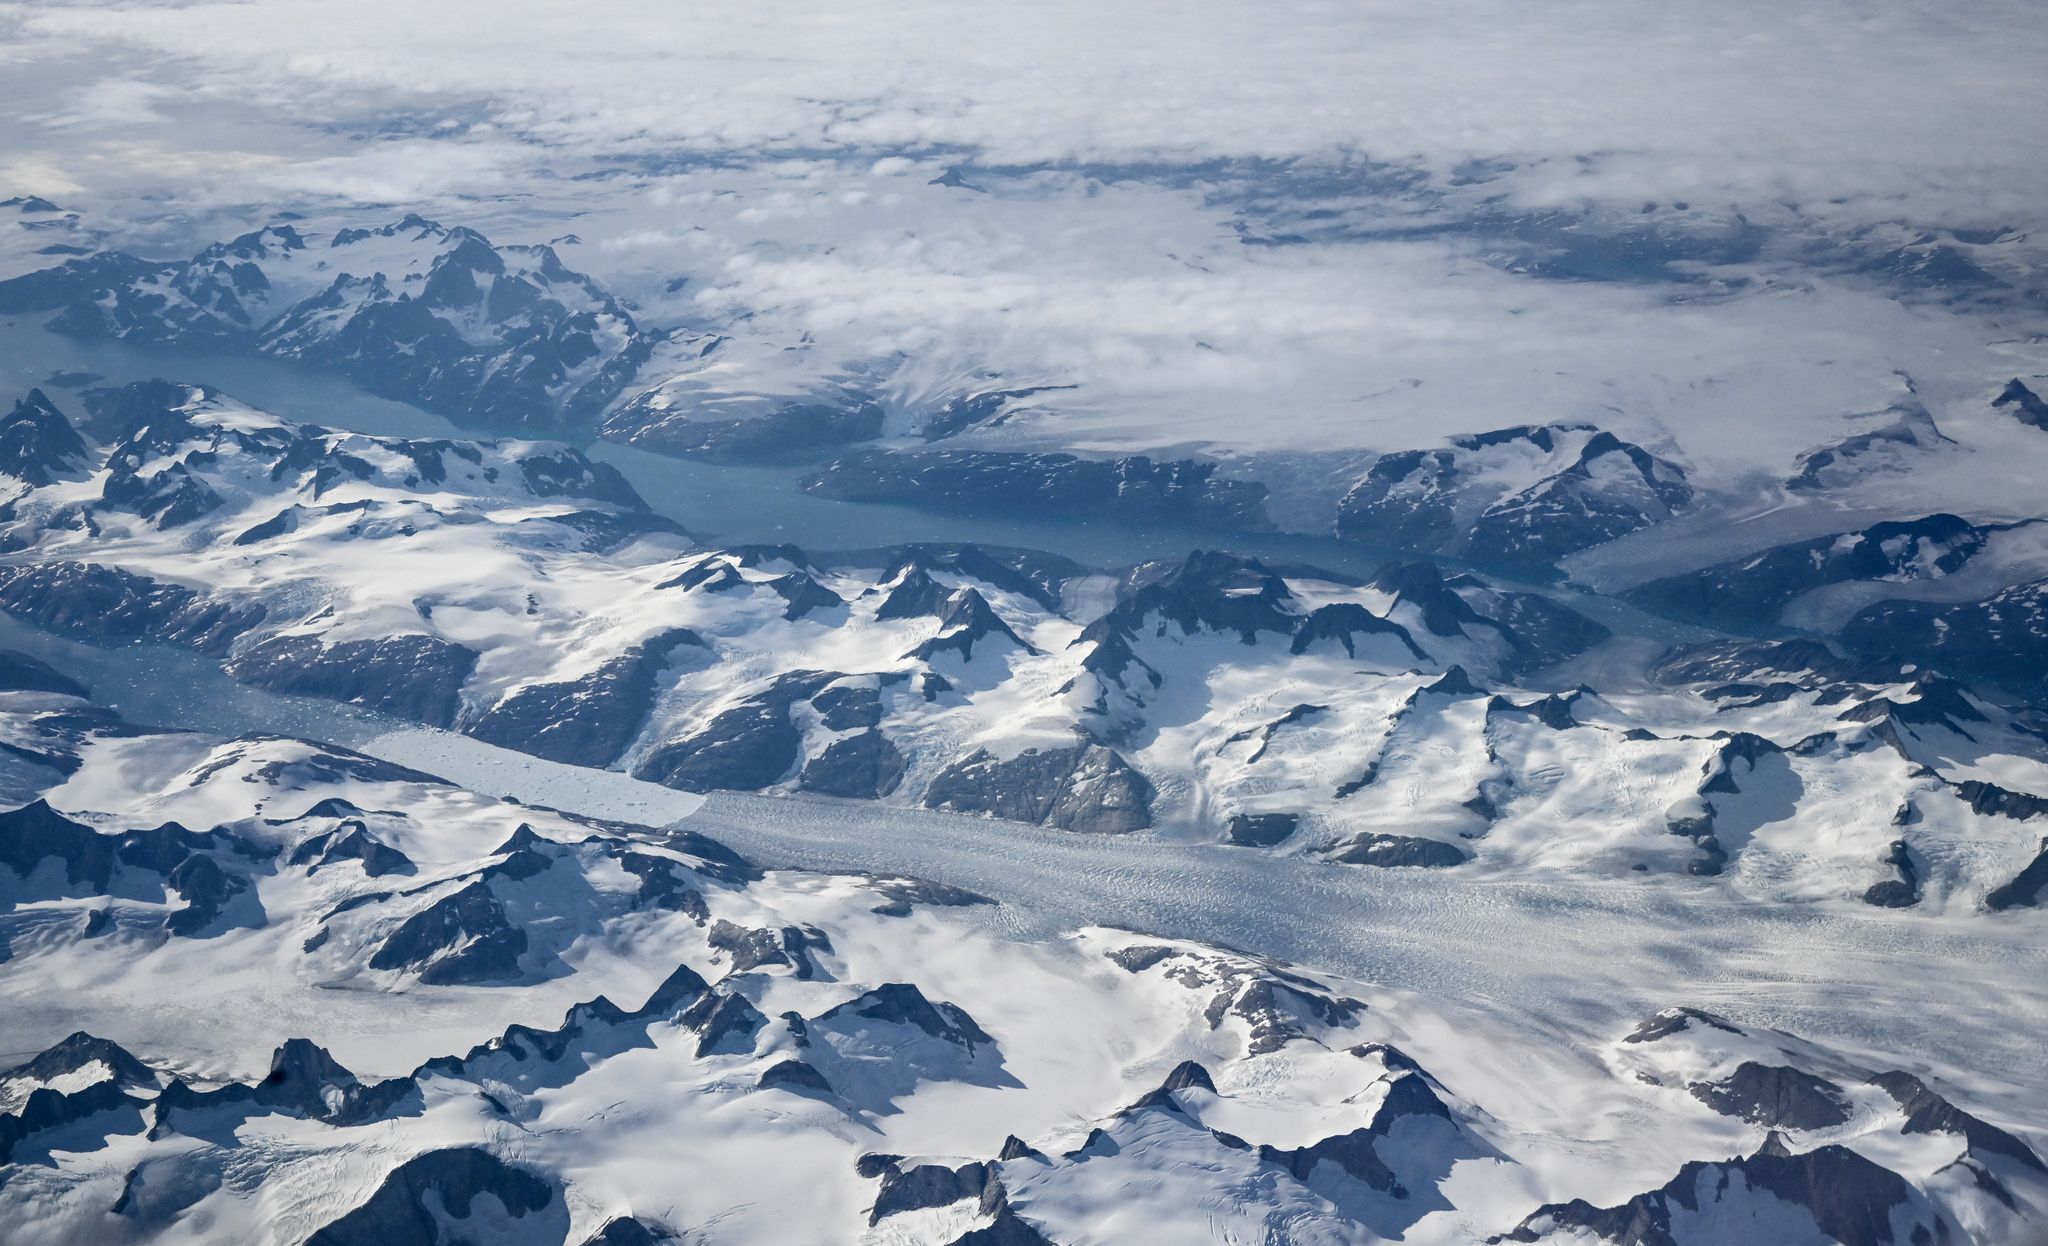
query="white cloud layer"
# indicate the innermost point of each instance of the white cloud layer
(1905, 108)
(778, 156)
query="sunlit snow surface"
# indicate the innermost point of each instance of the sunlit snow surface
(1514, 997)
(1652, 326)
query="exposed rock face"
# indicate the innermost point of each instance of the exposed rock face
(2027, 406)
(927, 1185)
(588, 721)
(2002, 638)
(2027, 889)
(77, 1058)
(752, 949)
(864, 765)
(913, 594)
(1800, 662)
(107, 603)
(169, 859)
(1084, 788)
(980, 409)
(352, 841)
(966, 621)
(1850, 1200)
(1006, 483)
(1261, 830)
(900, 1003)
(724, 1022)
(408, 1206)
(1031, 574)
(415, 311)
(804, 595)
(1896, 446)
(1357, 1153)
(418, 677)
(47, 1109)
(1538, 631)
(1398, 850)
(1928, 1112)
(1208, 590)
(38, 446)
(1421, 584)
(305, 1079)
(1529, 494)
(1756, 587)
(1896, 893)
(1676, 1021)
(1541, 631)
(1344, 621)
(1775, 1096)
(796, 1077)
(1263, 733)
(796, 431)
(463, 938)
(1268, 998)
(21, 673)
(629, 1231)
(751, 745)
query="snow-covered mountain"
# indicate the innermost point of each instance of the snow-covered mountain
(499, 336)
(1529, 494)
(523, 595)
(909, 624)
(311, 996)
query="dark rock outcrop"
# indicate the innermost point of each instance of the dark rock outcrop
(2002, 639)
(1851, 1200)
(2027, 406)
(1896, 893)
(751, 745)
(1342, 622)
(417, 677)
(38, 446)
(21, 673)
(1261, 830)
(1894, 446)
(1013, 483)
(1754, 588)
(792, 432)
(1083, 788)
(966, 621)
(1928, 1112)
(404, 1207)
(2027, 888)
(1775, 1096)
(864, 765)
(1388, 850)
(107, 603)
(351, 841)
(1590, 487)
(587, 721)
(900, 1003)
(464, 938)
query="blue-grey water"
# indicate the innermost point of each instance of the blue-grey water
(730, 504)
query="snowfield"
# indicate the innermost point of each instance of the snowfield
(1028, 624)
(1468, 1060)
(984, 895)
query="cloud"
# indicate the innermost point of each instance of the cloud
(779, 156)
(1908, 108)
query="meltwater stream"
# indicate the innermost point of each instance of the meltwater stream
(1565, 958)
